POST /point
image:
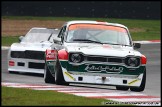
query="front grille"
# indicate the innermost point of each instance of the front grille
(100, 59)
(117, 60)
(28, 54)
(105, 59)
(36, 65)
(17, 54)
(34, 55)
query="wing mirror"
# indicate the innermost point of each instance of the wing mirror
(21, 38)
(57, 40)
(136, 45)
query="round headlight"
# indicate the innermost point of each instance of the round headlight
(132, 62)
(76, 58)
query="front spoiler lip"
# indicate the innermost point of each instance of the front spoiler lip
(106, 75)
(110, 79)
(27, 70)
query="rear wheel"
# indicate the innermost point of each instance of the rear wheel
(59, 79)
(48, 78)
(124, 88)
(142, 86)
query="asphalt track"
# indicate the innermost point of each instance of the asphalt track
(153, 80)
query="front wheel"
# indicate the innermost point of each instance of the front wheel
(142, 86)
(48, 78)
(59, 79)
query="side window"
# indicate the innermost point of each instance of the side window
(62, 32)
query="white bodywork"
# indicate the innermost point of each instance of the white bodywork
(24, 46)
(96, 49)
(102, 50)
(27, 46)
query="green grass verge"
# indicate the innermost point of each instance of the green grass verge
(8, 40)
(139, 29)
(26, 97)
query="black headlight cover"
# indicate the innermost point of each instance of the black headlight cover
(132, 61)
(76, 57)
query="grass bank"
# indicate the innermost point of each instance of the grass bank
(139, 29)
(8, 40)
(26, 97)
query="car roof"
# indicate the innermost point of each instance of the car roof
(41, 29)
(94, 22)
(44, 28)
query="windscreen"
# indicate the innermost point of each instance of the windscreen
(96, 32)
(40, 35)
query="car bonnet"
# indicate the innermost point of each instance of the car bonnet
(101, 50)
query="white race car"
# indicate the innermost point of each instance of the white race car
(28, 55)
(95, 53)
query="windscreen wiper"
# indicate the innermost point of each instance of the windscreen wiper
(87, 40)
(50, 36)
(117, 44)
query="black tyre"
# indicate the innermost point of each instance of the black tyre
(13, 72)
(59, 79)
(124, 88)
(48, 78)
(142, 86)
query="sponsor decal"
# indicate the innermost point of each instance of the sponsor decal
(101, 68)
(133, 81)
(96, 26)
(50, 54)
(70, 76)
